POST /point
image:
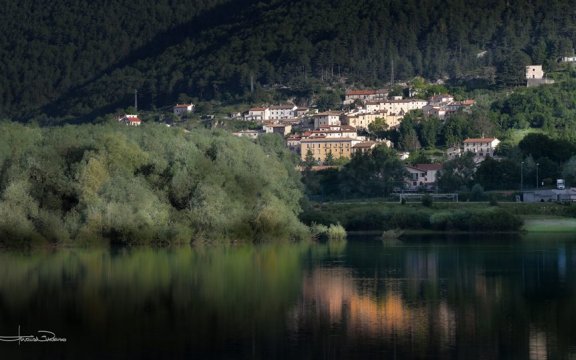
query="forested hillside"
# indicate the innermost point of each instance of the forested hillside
(82, 59)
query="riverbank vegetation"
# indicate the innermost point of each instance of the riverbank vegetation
(380, 216)
(143, 185)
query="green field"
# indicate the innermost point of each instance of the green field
(549, 224)
(518, 135)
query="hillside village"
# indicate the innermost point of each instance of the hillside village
(325, 139)
(335, 136)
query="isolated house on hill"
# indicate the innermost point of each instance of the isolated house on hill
(535, 76)
(132, 120)
(183, 109)
(481, 147)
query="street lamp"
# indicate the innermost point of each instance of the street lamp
(537, 175)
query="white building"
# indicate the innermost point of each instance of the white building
(327, 118)
(259, 114)
(535, 76)
(481, 147)
(422, 176)
(183, 109)
(132, 120)
(279, 112)
(534, 72)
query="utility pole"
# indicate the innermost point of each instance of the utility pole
(391, 71)
(135, 100)
(537, 165)
(522, 177)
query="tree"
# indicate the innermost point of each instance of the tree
(429, 130)
(378, 128)
(372, 174)
(329, 159)
(503, 174)
(408, 139)
(510, 71)
(309, 160)
(457, 173)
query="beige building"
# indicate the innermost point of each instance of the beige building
(321, 146)
(282, 129)
(362, 120)
(367, 146)
(364, 95)
(343, 131)
(396, 106)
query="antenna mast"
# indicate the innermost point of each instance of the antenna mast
(391, 71)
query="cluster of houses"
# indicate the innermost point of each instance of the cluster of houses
(334, 134)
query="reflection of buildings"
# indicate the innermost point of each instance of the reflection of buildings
(363, 311)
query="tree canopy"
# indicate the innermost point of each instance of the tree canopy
(74, 59)
(141, 185)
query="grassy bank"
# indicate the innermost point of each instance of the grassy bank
(534, 223)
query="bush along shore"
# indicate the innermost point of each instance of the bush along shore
(382, 218)
(151, 184)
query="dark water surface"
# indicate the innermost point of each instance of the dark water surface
(439, 297)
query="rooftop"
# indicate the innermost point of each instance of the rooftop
(326, 139)
(479, 140)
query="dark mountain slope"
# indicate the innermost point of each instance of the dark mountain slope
(214, 54)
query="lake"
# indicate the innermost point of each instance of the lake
(422, 297)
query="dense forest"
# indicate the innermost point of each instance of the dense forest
(76, 59)
(144, 185)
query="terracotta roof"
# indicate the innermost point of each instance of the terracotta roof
(333, 131)
(403, 101)
(282, 107)
(329, 113)
(365, 145)
(361, 92)
(182, 105)
(480, 140)
(277, 125)
(326, 139)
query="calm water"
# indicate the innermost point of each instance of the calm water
(420, 298)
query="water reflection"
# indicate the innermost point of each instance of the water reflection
(416, 298)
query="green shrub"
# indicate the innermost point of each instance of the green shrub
(427, 200)
(336, 232)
